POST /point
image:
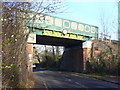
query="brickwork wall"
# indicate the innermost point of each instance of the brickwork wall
(30, 53)
(86, 56)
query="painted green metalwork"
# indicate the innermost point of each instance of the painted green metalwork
(47, 22)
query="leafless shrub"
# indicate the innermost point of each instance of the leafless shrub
(15, 17)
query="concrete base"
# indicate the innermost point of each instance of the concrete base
(72, 59)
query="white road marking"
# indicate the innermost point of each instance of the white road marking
(68, 80)
(80, 85)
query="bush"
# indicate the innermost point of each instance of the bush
(49, 60)
(104, 64)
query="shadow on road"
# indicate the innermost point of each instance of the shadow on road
(44, 69)
(38, 70)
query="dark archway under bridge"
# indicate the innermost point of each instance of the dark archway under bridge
(48, 40)
(72, 58)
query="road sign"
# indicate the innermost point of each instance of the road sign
(31, 38)
(64, 31)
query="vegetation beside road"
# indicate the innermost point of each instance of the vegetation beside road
(105, 64)
(15, 73)
(15, 32)
(46, 59)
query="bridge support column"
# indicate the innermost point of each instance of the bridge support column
(30, 50)
(30, 54)
(72, 59)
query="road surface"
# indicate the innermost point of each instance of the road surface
(57, 79)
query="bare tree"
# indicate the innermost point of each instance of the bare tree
(57, 50)
(108, 24)
(36, 54)
(15, 16)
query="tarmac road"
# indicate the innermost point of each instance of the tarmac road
(57, 79)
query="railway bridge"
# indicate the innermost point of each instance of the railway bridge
(51, 30)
